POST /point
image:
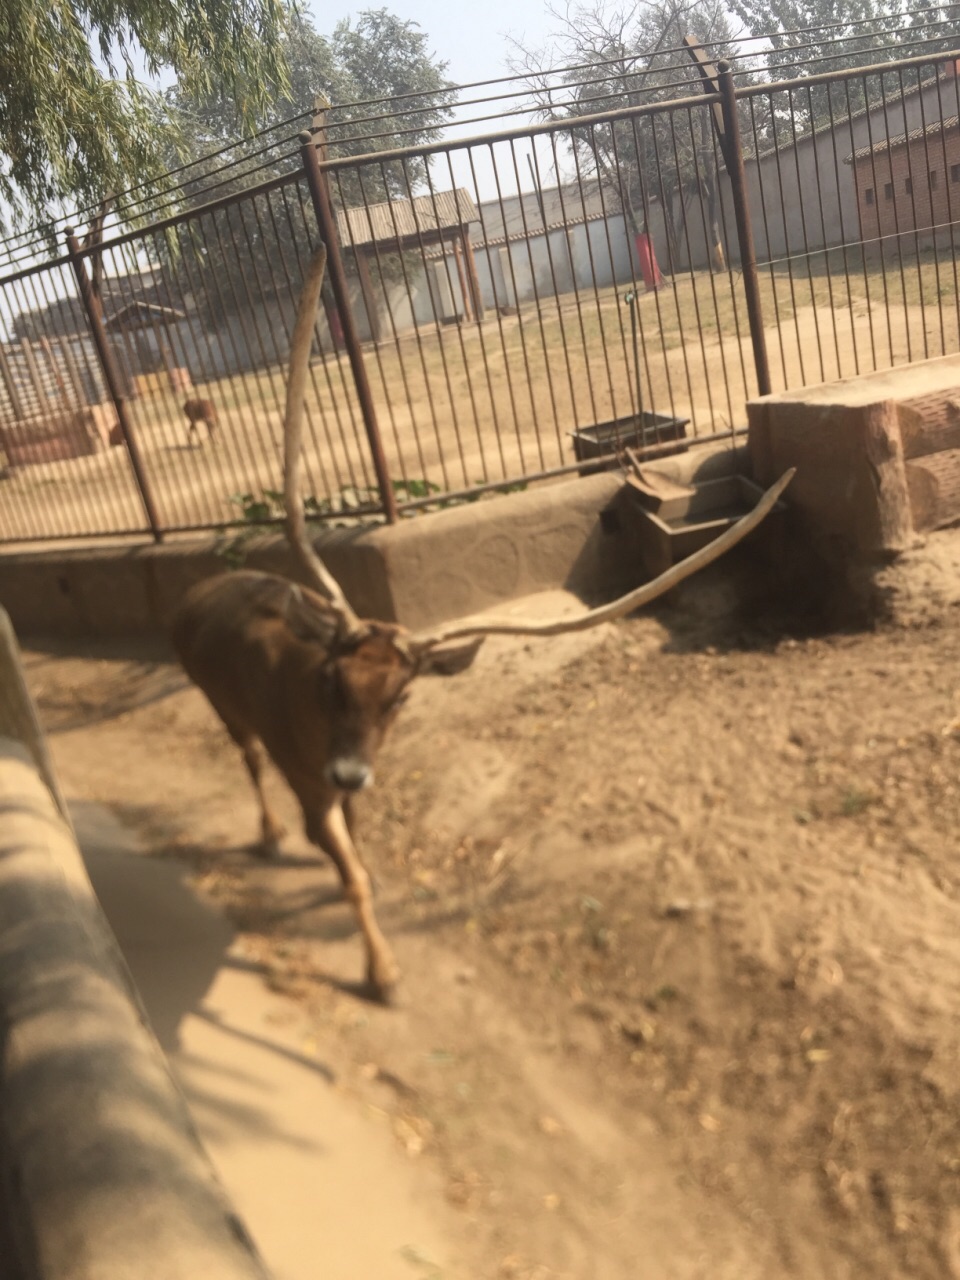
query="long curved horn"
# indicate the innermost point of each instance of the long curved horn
(296, 523)
(634, 599)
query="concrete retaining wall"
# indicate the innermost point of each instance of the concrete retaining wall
(419, 572)
(102, 1176)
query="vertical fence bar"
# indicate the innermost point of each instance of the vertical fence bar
(111, 377)
(319, 194)
(741, 208)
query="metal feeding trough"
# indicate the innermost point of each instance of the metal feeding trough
(675, 522)
(640, 430)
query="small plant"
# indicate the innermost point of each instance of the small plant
(254, 511)
(412, 490)
(666, 994)
(418, 489)
(351, 506)
(269, 506)
(318, 508)
(353, 503)
(232, 551)
(855, 802)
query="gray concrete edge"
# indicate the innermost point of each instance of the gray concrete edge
(101, 1172)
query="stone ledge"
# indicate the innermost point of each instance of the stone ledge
(102, 1176)
(420, 572)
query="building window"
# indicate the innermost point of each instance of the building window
(868, 196)
(934, 179)
(908, 186)
(888, 191)
(955, 173)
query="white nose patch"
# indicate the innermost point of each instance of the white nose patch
(349, 775)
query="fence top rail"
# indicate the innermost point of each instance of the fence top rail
(645, 109)
(567, 125)
(22, 273)
(186, 215)
(697, 100)
(846, 73)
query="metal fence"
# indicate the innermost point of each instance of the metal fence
(496, 309)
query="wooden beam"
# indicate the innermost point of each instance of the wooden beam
(472, 274)
(321, 105)
(77, 381)
(464, 291)
(711, 84)
(47, 350)
(369, 294)
(39, 388)
(93, 240)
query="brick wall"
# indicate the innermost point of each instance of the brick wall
(912, 187)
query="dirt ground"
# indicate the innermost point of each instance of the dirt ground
(678, 906)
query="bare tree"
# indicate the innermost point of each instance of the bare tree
(622, 57)
(805, 37)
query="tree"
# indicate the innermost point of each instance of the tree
(76, 121)
(626, 58)
(380, 56)
(811, 36)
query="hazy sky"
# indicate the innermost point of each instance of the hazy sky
(474, 40)
(471, 37)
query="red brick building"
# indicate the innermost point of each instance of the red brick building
(910, 182)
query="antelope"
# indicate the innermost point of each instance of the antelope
(295, 674)
(197, 411)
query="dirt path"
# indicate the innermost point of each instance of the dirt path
(679, 912)
(268, 1106)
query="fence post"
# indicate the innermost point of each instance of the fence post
(319, 194)
(112, 379)
(733, 154)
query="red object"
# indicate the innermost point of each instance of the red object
(652, 275)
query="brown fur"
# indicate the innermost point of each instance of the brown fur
(198, 411)
(261, 650)
(266, 654)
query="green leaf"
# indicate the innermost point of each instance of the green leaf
(77, 122)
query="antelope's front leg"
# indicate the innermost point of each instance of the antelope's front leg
(271, 831)
(329, 830)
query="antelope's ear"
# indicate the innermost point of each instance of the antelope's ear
(448, 659)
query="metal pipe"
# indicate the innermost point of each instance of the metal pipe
(540, 129)
(606, 462)
(112, 379)
(847, 73)
(319, 194)
(733, 150)
(166, 224)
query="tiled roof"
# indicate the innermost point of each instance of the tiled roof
(402, 219)
(888, 144)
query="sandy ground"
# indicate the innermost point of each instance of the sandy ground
(678, 907)
(296, 1156)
